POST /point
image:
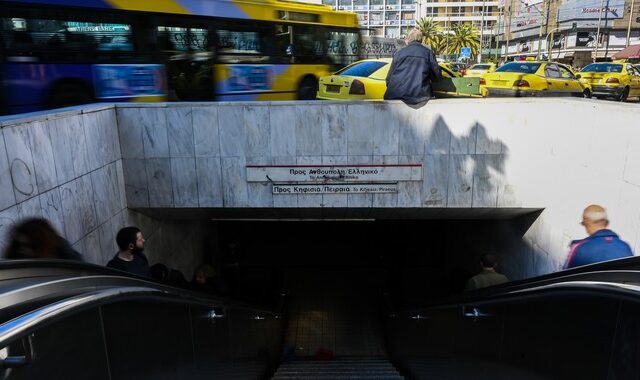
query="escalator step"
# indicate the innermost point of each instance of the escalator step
(374, 367)
(345, 368)
(338, 377)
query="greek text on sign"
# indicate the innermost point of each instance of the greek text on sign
(334, 173)
(334, 188)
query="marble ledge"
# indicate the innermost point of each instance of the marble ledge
(24, 118)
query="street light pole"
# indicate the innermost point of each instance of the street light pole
(550, 44)
(595, 58)
(629, 26)
(544, 4)
(508, 33)
(481, 31)
(497, 35)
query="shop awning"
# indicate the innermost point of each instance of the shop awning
(632, 51)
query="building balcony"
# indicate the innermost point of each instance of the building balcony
(458, 4)
(463, 18)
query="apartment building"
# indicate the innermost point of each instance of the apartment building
(483, 14)
(394, 18)
(381, 18)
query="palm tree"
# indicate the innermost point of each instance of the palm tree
(430, 30)
(464, 35)
(438, 44)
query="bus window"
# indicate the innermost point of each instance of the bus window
(241, 46)
(309, 44)
(342, 46)
(173, 39)
(63, 40)
(187, 54)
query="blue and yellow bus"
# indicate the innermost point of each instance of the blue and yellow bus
(56, 53)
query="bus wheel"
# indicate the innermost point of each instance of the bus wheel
(70, 94)
(586, 93)
(308, 89)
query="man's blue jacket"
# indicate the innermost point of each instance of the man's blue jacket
(412, 69)
(602, 245)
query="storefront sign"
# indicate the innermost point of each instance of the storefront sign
(590, 9)
(334, 173)
(334, 188)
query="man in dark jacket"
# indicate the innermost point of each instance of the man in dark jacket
(602, 244)
(412, 69)
(489, 276)
(130, 257)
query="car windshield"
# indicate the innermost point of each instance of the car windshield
(519, 67)
(362, 69)
(602, 68)
(479, 67)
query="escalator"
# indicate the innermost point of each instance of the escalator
(67, 320)
(64, 320)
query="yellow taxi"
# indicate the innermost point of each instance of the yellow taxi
(480, 68)
(364, 80)
(611, 80)
(533, 78)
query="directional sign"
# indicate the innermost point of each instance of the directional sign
(465, 52)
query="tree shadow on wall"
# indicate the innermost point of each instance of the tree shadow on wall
(464, 172)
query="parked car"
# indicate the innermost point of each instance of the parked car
(480, 68)
(366, 79)
(533, 78)
(457, 67)
(612, 80)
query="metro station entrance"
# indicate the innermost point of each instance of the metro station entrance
(341, 277)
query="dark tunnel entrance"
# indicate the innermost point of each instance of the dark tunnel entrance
(342, 276)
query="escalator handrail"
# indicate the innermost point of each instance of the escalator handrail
(626, 267)
(126, 281)
(629, 291)
(31, 320)
(75, 303)
(58, 269)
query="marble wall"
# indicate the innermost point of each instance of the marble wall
(554, 155)
(86, 168)
(66, 167)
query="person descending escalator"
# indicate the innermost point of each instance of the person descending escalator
(35, 238)
(602, 244)
(488, 276)
(130, 258)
